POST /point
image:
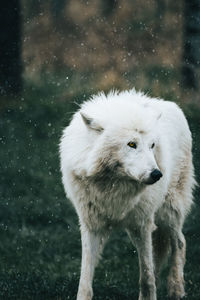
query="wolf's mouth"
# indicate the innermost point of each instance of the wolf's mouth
(150, 181)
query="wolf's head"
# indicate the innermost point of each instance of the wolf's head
(127, 145)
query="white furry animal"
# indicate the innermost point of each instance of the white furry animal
(126, 162)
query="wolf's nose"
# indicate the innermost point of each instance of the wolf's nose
(156, 175)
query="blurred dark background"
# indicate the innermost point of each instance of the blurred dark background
(54, 55)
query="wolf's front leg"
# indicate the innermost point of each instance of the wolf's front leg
(175, 279)
(92, 246)
(142, 239)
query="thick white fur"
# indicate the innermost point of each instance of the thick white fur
(105, 179)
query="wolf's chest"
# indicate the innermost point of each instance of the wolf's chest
(108, 208)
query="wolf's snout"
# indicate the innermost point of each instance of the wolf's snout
(156, 175)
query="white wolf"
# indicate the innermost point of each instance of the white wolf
(126, 162)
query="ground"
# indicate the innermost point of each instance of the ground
(40, 249)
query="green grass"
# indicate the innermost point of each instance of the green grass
(40, 247)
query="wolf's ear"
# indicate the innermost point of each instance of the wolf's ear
(90, 122)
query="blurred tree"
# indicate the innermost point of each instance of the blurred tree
(191, 52)
(10, 47)
(109, 6)
(57, 7)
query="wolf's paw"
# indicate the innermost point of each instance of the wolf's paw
(84, 294)
(175, 290)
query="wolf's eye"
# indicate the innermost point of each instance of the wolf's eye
(152, 146)
(132, 145)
